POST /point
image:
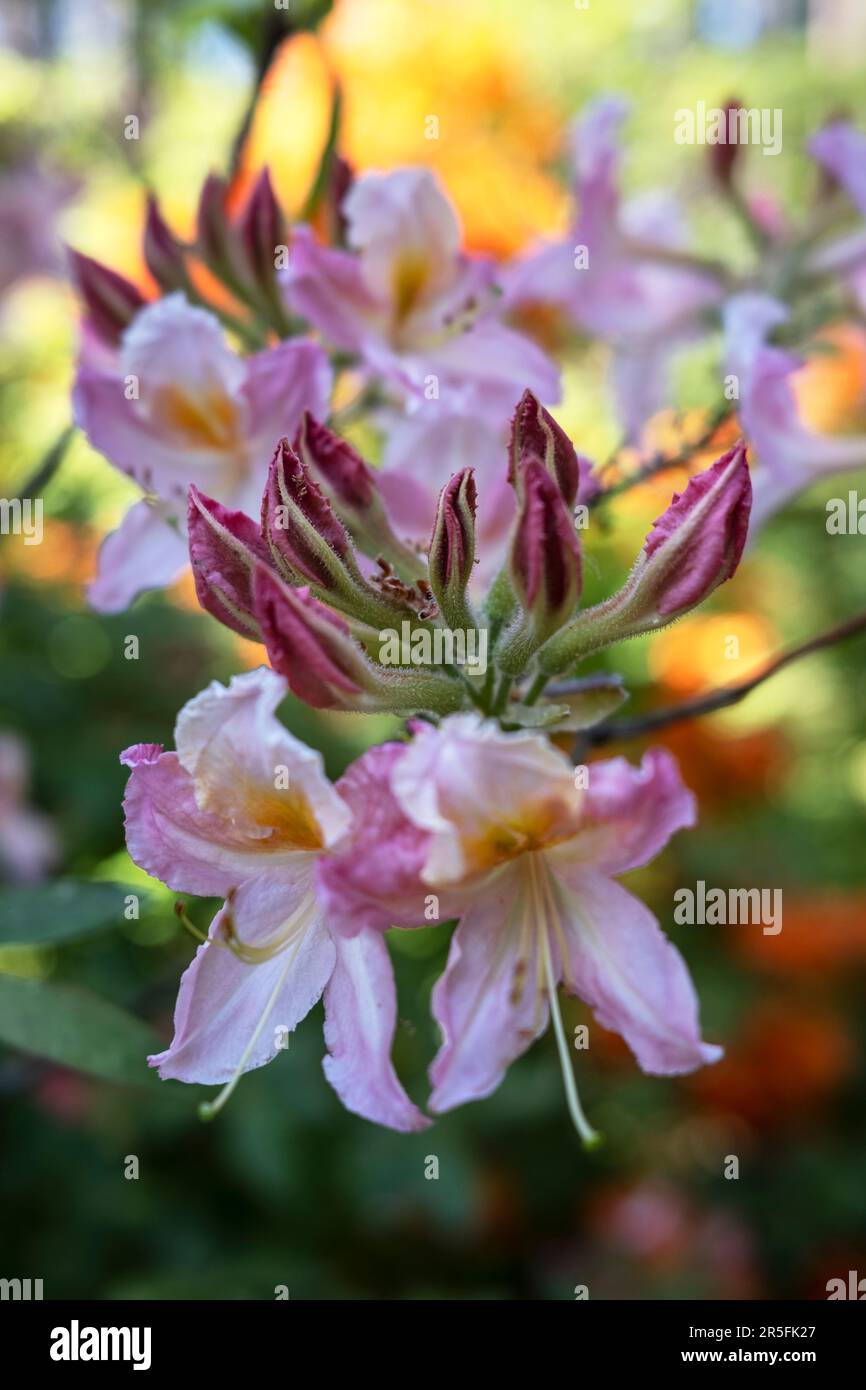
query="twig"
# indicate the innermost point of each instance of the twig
(660, 462)
(717, 699)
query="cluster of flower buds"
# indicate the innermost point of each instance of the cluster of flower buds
(295, 581)
(323, 577)
(246, 252)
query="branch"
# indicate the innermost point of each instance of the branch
(717, 699)
(660, 462)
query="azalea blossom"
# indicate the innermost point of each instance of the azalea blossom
(496, 823)
(604, 278)
(180, 407)
(243, 810)
(418, 311)
(791, 455)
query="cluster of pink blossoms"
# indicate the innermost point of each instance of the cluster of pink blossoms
(468, 529)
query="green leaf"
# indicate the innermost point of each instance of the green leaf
(66, 1024)
(51, 913)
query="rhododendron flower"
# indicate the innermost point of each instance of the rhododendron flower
(243, 810)
(529, 859)
(410, 303)
(181, 407)
(598, 278)
(790, 454)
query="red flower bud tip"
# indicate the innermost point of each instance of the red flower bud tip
(110, 300)
(262, 228)
(163, 252)
(224, 548)
(545, 564)
(535, 434)
(350, 482)
(699, 540)
(724, 155)
(308, 644)
(304, 535)
(452, 548)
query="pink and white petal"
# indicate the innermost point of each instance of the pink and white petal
(360, 1018)
(281, 384)
(240, 756)
(490, 354)
(628, 814)
(402, 214)
(372, 880)
(466, 779)
(119, 429)
(172, 344)
(145, 552)
(633, 978)
(233, 1016)
(486, 1002)
(327, 287)
(190, 850)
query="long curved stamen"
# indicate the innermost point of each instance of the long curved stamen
(590, 1138)
(209, 1109)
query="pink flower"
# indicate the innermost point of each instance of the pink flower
(790, 454)
(180, 407)
(495, 822)
(597, 277)
(409, 302)
(28, 843)
(243, 810)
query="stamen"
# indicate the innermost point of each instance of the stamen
(589, 1137)
(208, 1109)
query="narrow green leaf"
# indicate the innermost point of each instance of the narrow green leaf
(49, 914)
(66, 1024)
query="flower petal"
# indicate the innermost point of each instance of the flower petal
(145, 552)
(629, 813)
(623, 966)
(372, 881)
(360, 1017)
(486, 1002)
(231, 1015)
(249, 769)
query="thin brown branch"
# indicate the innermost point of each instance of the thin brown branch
(660, 462)
(717, 699)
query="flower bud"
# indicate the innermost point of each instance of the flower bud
(217, 240)
(262, 228)
(724, 155)
(692, 548)
(452, 549)
(111, 301)
(353, 491)
(163, 252)
(224, 548)
(544, 566)
(535, 434)
(309, 544)
(311, 646)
